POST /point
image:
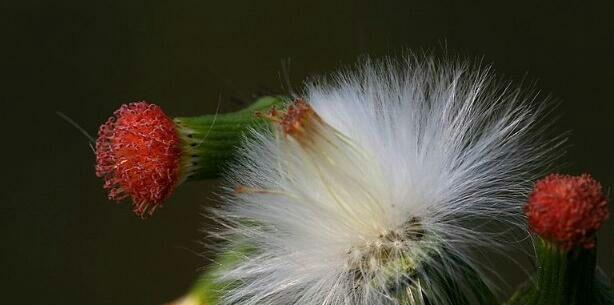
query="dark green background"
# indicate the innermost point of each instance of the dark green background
(64, 243)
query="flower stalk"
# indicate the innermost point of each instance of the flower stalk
(209, 140)
(208, 289)
(564, 277)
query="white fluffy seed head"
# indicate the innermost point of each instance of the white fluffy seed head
(374, 188)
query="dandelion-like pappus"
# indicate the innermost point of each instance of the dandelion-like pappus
(372, 188)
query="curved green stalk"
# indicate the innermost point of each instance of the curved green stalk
(209, 141)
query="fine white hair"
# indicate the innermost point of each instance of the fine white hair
(410, 167)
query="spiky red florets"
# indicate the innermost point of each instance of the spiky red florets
(567, 209)
(138, 155)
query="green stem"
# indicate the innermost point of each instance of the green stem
(466, 289)
(209, 141)
(208, 289)
(564, 277)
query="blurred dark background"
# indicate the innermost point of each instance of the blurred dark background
(64, 243)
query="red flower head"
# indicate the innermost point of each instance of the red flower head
(567, 210)
(138, 154)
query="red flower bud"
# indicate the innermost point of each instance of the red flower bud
(567, 210)
(138, 154)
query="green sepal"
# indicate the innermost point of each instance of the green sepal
(209, 141)
(208, 289)
(461, 286)
(564, 277)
